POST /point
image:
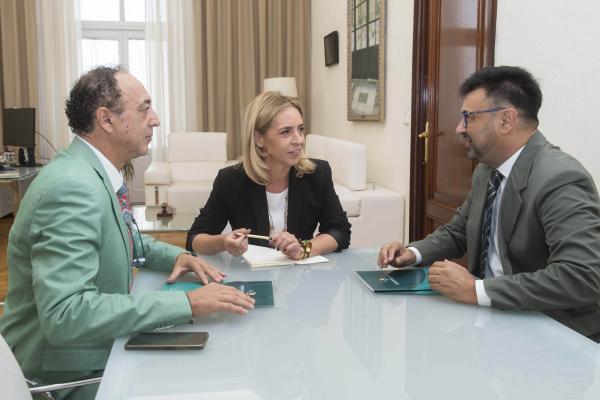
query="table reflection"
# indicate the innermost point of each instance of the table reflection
(329, 337)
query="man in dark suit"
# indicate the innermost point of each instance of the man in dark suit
(531, 223)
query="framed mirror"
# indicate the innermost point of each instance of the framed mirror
(366, 60)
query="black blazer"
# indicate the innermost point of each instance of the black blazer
(236, 198)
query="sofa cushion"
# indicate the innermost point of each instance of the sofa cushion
(194, 193)
(350, 202)
(348, 160)
(195, 171)
(158, 173)
(196, 146)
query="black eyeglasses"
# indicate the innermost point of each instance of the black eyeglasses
(467, 114)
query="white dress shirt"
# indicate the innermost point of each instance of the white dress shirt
(115, 176)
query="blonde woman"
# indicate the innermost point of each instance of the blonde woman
(276, 191)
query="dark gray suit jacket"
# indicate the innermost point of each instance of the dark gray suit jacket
(548, 238)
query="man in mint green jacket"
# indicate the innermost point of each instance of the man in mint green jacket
(70, 250)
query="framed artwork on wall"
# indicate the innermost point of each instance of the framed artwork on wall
(331, 44)
(366, 60)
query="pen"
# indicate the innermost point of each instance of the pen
(258, 237)
(393, 280)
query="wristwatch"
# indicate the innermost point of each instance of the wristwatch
(306, 248)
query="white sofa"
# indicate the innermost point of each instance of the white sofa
(376, 213)
(194, 159)
(186, 178)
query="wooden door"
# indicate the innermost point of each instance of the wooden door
(453, 38)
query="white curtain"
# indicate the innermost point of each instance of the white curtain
(182, 71)
(171, 72)
(158, 69)
(58, 59)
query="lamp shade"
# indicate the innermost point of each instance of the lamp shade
(284, 85)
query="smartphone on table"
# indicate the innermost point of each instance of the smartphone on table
(167, 341)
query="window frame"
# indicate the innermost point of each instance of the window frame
(121, 30)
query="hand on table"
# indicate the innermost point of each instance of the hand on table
(216, 297)
(453, 281)
(185, 263)
(395, 255)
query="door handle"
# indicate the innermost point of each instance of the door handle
(425, 135)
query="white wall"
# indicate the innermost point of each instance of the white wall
(558, 41)
(388, 142)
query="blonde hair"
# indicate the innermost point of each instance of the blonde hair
(258, 118)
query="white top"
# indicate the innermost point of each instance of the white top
(277, 209)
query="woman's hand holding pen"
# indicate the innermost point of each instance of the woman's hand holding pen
(236, 242)
(287, 244)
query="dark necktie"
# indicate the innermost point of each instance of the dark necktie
(486, 227)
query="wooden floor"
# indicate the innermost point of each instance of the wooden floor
(176, 238)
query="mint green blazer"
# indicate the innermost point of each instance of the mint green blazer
(69, 273)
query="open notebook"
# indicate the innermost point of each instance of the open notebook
(263, 257)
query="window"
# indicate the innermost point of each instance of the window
(365, 23)
(112, 32)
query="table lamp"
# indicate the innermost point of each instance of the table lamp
(284, 85)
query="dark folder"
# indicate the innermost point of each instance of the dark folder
(260, 291)
(406, 280)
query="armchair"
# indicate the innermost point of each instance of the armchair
(186, 178)
(375, 212)
(14, 385)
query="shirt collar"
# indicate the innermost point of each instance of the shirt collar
(115, 176)
(507, 165)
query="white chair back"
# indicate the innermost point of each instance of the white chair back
(197, 146)
(348, 160)
(12, 380)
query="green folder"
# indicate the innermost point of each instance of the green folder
(405, 280)
(260, 291)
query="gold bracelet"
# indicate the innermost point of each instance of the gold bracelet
(306, 248)
(302, 253)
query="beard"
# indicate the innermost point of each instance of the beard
(472, 152)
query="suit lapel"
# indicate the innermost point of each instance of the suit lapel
(516, 183)
(81, 150)
(294, 203)
(510, 207)
(512, 201)
(478, 195)
(258, 198)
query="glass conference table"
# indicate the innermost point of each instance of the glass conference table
(329, 337)
(16, 179)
